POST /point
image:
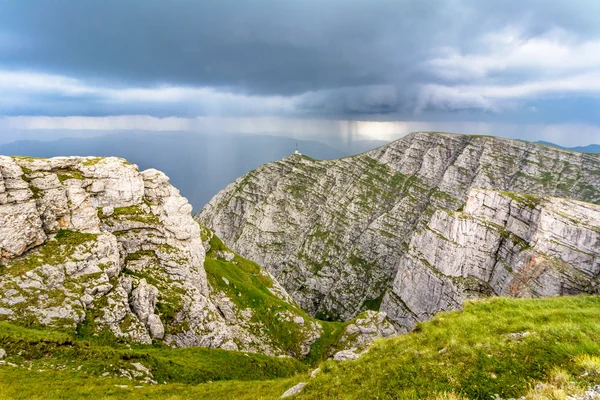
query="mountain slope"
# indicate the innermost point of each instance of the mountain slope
(501, 244)
(334, 232)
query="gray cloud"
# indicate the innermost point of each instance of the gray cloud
(312, 57)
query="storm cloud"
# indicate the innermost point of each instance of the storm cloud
(456, 60)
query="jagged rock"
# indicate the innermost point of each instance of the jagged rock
(336, 233)
(592, 393)
(225, 255)
(143, 303)
(94, 243)
(518, 335)
(293, 390)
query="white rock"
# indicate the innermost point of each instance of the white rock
(293, 390)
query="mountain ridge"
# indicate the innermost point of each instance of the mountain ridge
(337, 254)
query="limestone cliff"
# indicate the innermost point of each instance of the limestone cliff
(95, 245)
(336, 234)
(501, 244)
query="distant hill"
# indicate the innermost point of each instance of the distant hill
(590, 148)
(198, 164)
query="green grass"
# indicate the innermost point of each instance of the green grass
(467, 354)
(20, 384)
(87, 359)
(471, 353)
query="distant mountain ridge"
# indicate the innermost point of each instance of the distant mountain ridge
(590, 148)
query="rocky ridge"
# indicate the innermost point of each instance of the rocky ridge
(95, 245)
(337, 234)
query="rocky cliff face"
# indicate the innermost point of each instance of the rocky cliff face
(95, 245)
(501, 244)
(337, 234)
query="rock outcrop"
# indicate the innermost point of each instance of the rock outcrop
(95, 243)
(336, 234)
(364, 329)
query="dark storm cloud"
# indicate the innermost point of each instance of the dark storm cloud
(266, 47)
(329, 57)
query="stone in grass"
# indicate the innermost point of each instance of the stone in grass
(293, 390)
(346, 355)
(2, 354)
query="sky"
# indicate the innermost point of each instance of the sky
(527, 69)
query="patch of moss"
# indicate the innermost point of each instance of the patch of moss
(529, 200)
(131, 213)
(91, 161)
(54, 252)
(70, 174)
(138, 255)
(37, 192)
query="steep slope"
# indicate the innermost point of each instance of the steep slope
(94, 246)
(334, 232)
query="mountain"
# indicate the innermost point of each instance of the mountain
(109, 288)
(401, 229)
(198, 164)
(591, 148)
(92, 246)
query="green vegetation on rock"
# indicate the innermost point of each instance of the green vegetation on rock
(54, 252)
(249, 287)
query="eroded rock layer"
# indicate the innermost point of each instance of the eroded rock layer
(336, 233)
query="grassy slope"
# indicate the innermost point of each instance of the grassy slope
(72, 367)
(472, 353)
(468, 353)
(248, 287)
